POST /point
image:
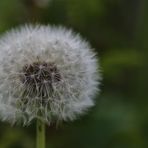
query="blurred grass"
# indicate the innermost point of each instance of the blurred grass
(118, 30)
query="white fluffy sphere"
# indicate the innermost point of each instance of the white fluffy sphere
(46, 72)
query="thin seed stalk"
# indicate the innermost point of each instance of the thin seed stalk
(40, 131)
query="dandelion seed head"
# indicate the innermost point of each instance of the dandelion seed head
(46, 72)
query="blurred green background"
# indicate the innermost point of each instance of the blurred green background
(118, 30)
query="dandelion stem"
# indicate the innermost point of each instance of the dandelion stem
(40, 141)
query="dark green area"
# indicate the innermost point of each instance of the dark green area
(118, 30)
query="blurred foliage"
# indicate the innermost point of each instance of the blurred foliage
(118, 30)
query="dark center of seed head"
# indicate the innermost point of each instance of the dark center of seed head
(38, 78)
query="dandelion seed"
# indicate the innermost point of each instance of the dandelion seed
(46, 72)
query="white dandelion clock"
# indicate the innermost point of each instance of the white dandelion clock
(46, 73)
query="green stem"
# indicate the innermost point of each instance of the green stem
(40, 131)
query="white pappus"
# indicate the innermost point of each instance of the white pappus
(46, 72)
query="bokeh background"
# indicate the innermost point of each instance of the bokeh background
(118, 30)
